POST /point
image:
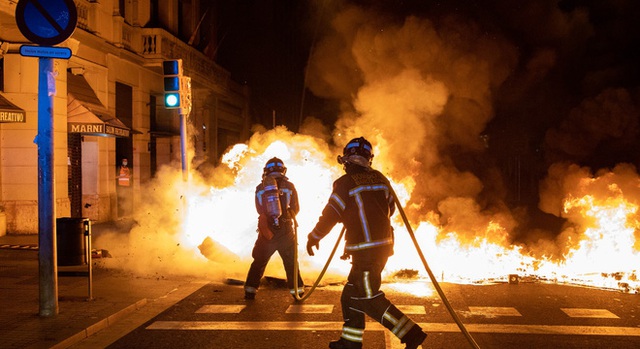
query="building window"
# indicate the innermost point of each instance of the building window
(153, 21)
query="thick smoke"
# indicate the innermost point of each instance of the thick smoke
(431, 88)
(609, 120)
(416, 89)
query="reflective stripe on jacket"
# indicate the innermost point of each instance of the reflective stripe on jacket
(363, 202)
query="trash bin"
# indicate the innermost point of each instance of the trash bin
(70, 239)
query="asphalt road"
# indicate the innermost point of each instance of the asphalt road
(526, 315)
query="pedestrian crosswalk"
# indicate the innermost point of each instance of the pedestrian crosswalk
(374, 326)
(473, 312)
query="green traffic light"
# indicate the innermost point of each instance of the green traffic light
(173, 86)
(172, 100)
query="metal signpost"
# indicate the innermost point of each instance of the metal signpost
(46, 23)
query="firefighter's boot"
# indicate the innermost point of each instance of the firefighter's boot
(345, 344)
(249, 295)
(414, 337)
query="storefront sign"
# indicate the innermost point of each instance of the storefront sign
(12, 116)
(96, 129)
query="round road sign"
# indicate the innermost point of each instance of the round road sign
(46, 22)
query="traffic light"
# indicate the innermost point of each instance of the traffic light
(172, 70)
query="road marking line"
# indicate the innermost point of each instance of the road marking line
(494, 311)
(249, 325)
(589, 313)
(310, 309)
(427, 327)
(220, 309)
(18, 247)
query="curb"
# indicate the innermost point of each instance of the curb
(100, 325)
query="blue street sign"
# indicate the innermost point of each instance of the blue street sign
(45, 52)
(46, 22)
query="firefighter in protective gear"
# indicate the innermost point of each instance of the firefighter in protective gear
(277, 204)
(362, 200)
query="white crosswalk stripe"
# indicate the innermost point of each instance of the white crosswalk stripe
(412, 309)
(310, 309)
(494, 311)
(589, 313)
(220, 309)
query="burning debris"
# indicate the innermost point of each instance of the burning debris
(216, 252)
(406, 274)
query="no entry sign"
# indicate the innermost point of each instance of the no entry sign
(46, 22)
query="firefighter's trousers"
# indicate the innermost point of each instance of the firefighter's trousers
(285, 244)
(361, 295)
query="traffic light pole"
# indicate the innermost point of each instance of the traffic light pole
(183, 144)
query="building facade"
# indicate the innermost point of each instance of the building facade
(108, 106)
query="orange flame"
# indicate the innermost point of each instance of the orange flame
(600, 242)
(603, 255)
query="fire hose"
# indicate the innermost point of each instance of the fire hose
(445, 301)
(296, 272)
(436, 285)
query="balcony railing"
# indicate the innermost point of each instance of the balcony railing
(87, 10)
(159, 44)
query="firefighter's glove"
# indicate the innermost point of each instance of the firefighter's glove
(311, 241)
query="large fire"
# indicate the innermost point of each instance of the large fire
(216, 227)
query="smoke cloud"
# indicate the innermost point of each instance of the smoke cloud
(418, 90)
(423, 86)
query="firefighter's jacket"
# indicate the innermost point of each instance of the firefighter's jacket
(288, 202)
(362, 200)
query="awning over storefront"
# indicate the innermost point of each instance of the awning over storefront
(81, 119)
(86, 114)
(11, 113)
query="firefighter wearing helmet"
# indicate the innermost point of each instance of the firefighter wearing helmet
(362, 200)
(277, 204)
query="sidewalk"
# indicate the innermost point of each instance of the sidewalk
(116, 296)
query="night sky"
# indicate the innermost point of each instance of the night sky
(502, 90)
(265, 44)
